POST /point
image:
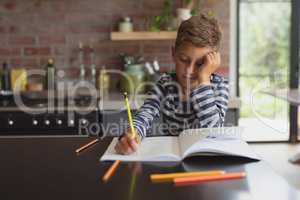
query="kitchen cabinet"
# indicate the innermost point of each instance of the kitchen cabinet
(19, 123)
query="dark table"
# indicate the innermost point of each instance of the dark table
(48, 168)
(292, 96)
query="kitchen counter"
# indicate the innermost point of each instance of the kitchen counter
(43, 109)
(115, 101)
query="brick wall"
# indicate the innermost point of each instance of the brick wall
(31, 31)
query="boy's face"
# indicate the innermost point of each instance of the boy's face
(188, 59)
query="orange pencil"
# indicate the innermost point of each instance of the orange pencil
(110, 171)
(201, 179)
(86, 145)
(169, 177)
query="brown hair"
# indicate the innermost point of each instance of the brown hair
(201, 30)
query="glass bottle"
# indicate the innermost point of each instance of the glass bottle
(50, 76)
(6, 78)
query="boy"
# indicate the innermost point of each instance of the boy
(193, 98)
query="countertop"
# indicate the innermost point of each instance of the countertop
(113, 101)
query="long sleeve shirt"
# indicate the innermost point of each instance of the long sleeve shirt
(206, 106)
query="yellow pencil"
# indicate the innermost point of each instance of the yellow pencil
(170, 176)
(129, 115)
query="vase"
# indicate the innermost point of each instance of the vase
(183, 14)
(134, 79)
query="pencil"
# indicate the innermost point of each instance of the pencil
(201, 179)
(86, 145)
(170, 176)
(110, 171)
(129, 115)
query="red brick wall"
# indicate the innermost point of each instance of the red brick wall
(31, 32)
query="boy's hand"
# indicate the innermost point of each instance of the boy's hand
(211, 63)
(127, 144)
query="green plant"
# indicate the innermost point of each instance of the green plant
(192, 5)
(159, 22)
(154, 23)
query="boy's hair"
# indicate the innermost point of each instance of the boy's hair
(201, 31)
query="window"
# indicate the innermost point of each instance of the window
(263, 39)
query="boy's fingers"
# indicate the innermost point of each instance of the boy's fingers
(209, 58)
(218, 57)
(132, 141)
(214, 56)
(122, 149)
(126, 146)
(133, 144)
(124, 142)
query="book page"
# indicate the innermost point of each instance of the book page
(216, 146)
(188, 138)
(215, 141)
(151, 149)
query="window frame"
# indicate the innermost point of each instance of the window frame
(294, 66)
(294, 57)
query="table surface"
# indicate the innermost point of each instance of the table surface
(293, 97)
(49, 168)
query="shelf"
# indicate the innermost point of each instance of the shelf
(144, 35)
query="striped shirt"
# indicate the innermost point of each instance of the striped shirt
(205, 107)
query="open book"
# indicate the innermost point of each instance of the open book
(191, 142)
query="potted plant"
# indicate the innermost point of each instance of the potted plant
(187, 10)
(162, 21)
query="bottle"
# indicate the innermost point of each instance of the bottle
(82, 68)
(6, 78)
(50, 75)
(93, 66)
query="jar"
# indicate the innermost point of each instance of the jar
(126, 25)
(132, 81)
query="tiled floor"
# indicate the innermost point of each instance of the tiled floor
(277, 156)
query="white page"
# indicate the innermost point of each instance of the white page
(189, 137)
(151, 149)
(223, 140)
(222, 146)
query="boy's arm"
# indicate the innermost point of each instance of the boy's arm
(211, 104)
(142, 120)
